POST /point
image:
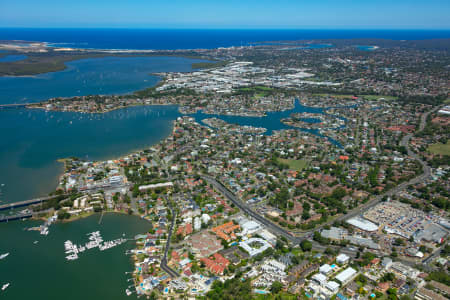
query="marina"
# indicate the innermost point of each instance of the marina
(34, 253)
(95, 241)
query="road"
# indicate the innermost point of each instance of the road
(172, 273)
(245, 208)
(274, 228)
(279, 231)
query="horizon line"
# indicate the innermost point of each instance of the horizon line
(233, 28)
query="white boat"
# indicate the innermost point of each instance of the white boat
(44, 230)
(4, 255)
(128, 292)
(72, 257)
(5, 286)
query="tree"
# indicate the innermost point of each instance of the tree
(306, 245)
(279, 244)
(276, 287)
(319, 238)
(399, 242)
(306, 206)
(392, 293)
(361, 278)
(62, 215)
(97, 208)
(362, 291)
(153, 296)
(330, 251)
(439, 276)
(233, 288)
(388, 277)
(338, 193)
(305, 215)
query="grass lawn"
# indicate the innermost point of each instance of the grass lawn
(294, 164)
(257, 91)
(257, 88)
(296, 251)
(209, 65)
(368, 97)
(377, 97)
(438, 148)
(334, 96)
(259, 95)
(447, 101)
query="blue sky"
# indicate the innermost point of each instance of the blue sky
(361, 14)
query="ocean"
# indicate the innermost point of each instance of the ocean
(197, 38)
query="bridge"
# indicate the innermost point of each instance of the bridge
(23, 215)
(14, 105)
(27, 202)
(15, 217)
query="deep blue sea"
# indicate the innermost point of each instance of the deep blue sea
(197, 38)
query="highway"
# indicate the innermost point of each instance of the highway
(274, 228)
(27, 202)
(245, 208)
(15, 217)
(172, 273)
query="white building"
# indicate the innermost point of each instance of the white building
(386, 262)
(325, 269)
(362, 224)
(197, 223)
(333, 286)
(342, 259)
(268, 236)
(320, 279)
(346, 276)
(155, 186)
(276, 264)
(252, 251)
(250, 227)
(205, 218)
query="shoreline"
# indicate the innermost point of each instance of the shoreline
(56, 61)
(134, 150)
(155, 104)
(87, 215)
